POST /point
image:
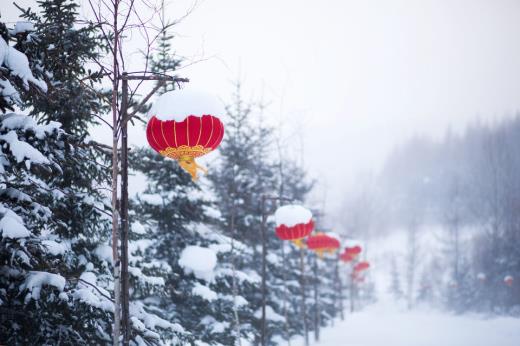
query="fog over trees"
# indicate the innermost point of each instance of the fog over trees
(464, 189)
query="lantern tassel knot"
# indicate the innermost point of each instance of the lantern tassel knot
(189, 164)
(299, 243)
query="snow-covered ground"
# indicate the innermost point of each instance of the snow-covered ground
(387, 323)
(384, 325)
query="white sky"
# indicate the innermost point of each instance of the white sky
(356, 77)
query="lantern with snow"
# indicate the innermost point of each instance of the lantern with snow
(293, 222)
(361, 266)
(185, 125)
(353, 251)
(508, 280)
(322, 243)
(346, 257)
(481, 277)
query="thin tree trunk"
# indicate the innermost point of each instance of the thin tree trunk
(264, 273)
(316, 301)
(339, 291)
(115, 144)
(125, 284)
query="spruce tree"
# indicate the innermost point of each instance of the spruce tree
(177, 215)
(71, 197)
(246, 171)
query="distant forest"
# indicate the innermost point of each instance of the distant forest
(467, 184)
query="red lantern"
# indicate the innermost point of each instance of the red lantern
(322, 243)
(361, 266)
(178, 133)
(293, 222)
(346, 257)
(508, 280)
(353, 251)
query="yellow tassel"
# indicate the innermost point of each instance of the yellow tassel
(189, 164)
(299, 243)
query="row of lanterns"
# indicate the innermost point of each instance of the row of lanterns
(508, 279)
(295, 223)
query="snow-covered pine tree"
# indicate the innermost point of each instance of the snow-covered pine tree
(246, 171)
(395, 288)
(293, 184)
(176, 242)
(64, 192)
(43, 281)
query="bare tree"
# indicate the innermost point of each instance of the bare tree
(120, 21)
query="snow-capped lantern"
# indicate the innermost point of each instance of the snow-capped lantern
(321, 243)
(293, 222)
(508, 280)
(184, 125)
(353, 251)
(346, 257)
(481, 277)
(361, 266)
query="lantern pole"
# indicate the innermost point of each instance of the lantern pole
(304, 307)
(340, 287)
(264, 262)
(352, 289)
(124, 304)
(317, 310)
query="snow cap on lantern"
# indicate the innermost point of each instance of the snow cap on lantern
(293, 222)
(185, 124)
(481, 276)
(508, 280)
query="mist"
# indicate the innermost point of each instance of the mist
(394, 124)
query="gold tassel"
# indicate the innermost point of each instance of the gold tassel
(299, 243)
(189, 164)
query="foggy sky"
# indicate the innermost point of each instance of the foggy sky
(355, 78)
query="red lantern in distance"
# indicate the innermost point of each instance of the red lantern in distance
(508, 280)
(361, 266)
(185, 125)
(322, 243)
(353, 251)
(293, 222)
(346, 257)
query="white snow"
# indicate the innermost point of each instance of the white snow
(139, 275)
(20, 27)
(270, 314)
(104, 253)
(22, 150)
(15, 121)
(177, 105)
(138, 228)
(152, 321)
(384, 325)
(55, 248)
(291, 215)
(35, 280)
(204, 292)
(11, 225)
(18, 64)
(200, 261)
(8, 91)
